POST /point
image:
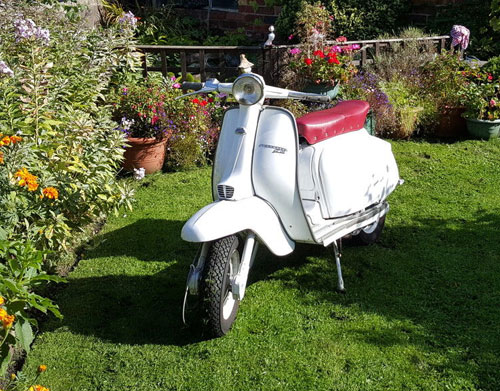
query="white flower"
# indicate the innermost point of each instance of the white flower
(139, 173)
(4, 69)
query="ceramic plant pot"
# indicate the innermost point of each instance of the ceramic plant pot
(483, 129)
(148, 153)
(323, 89)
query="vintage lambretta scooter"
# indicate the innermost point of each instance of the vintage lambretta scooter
(278, 181)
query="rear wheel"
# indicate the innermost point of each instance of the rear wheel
(371, 234)
(222, 265)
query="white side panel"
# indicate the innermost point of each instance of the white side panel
(274, 168)
(223, 218)
(351, 172)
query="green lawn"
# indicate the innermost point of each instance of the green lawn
(421, 311)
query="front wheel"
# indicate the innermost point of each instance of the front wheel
(222, 265)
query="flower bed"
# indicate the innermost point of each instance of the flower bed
(59, 148)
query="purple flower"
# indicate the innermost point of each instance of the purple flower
(4, 69)
(295, 51)
(26, 29)
(128, 20)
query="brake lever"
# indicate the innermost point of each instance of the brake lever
(204, 90)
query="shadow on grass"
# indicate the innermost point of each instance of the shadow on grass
(443, 277)
(439, 278)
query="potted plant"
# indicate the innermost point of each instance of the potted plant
(146, 112)
(445, 80)
(314, 65)
(483, 105)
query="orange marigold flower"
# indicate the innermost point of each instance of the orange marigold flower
(42, 368)
(50, 192)
(15, 139)
(1, 157)
(26, 179)
(2, 300)
(7, 321)
(6, 140)
(32, 185)
(38, 387)
(3, 314)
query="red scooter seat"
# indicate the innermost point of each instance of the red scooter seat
(345, 117)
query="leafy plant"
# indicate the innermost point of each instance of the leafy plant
(492, 67)
(444, 79)
(53, 96)
(21, 273)
(482, 96)
(314, 61)
(355, 18)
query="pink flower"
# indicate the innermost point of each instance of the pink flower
(295, 51)
(290, 36)
(341, 39)
(492, 103)
(355, 46)
(176, 85)
(336, 49)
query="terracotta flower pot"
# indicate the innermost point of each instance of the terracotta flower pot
(148, 153)
(451, 123)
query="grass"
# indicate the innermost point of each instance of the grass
(421, 312)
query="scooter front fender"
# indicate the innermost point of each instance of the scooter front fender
(223, 218)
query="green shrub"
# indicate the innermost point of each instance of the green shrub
(356, 19)
(55, 99)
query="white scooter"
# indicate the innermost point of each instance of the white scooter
(278, 180)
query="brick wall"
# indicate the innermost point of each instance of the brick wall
(253, 15)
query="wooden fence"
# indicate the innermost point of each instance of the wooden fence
(222, 61)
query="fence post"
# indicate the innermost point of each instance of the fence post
(144, 64)
(163, 56)
(183, 65)
(203, 75)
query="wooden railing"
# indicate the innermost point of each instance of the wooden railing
(222, 61)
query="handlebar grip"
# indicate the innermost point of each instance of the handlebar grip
(320, 99)
(187, 85)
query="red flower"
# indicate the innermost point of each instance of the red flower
(154, 120)
(332, 59)
(196, 101)
(308, 61)
(203, 103)
(210, 100)
(490, 77)
(319, 53)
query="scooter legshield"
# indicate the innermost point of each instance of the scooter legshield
(223, 218)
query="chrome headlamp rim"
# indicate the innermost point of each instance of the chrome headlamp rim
(254, 78)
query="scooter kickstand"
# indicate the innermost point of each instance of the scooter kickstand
(337, 254)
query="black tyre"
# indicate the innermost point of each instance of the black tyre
(221, 266)
(371, 234)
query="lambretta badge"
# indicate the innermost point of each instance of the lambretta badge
(274, 148)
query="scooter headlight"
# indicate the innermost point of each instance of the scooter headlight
(248, 89)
